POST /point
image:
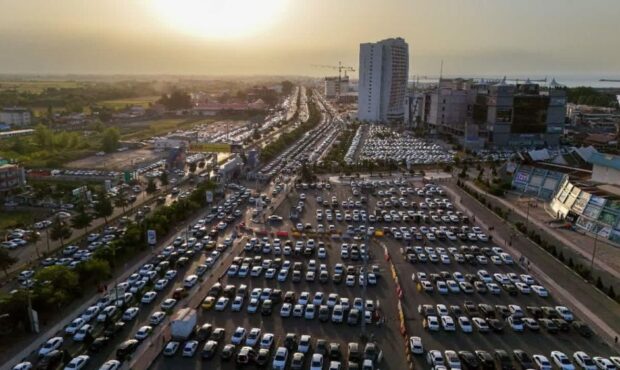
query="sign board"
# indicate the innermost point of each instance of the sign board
(522, 177)
(210, 147)
(209, 195)
(151, 237)
(127, 176)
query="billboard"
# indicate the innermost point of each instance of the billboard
(151, 237)
(522, 177)
(210, 147)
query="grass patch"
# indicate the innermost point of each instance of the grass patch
(13, 219)
(36, 86)
(118, 104)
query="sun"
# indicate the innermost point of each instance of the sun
(219, 18)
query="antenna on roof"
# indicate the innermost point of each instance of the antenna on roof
(441, 71)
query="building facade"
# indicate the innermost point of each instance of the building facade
(16, 117)
(497, 115)
(336, 86)
(383, 74)
(11, 177)
(605, 168)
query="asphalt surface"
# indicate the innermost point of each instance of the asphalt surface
(387, 336)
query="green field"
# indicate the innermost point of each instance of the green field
(143, 101)
(36, 86)
(13, 219)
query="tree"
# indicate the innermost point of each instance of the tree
(287, 87)
(151, 187)
(6, 260)
(58, 285)
(110, 139)
(60, 231)
(95, 270)
(43, 136)
(176, 100)
(82, 219)
(163, 178)
(104, 207)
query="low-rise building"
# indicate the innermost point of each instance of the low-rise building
(11, 177)
(16, 116)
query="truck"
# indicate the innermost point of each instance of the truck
(183, 323)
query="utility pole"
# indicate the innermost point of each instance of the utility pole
(594, 249)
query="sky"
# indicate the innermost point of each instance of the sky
(292, 37)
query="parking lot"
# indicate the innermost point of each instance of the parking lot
(382, 326)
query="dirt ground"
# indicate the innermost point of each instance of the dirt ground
(117, 161)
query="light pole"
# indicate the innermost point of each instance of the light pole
(594, 249)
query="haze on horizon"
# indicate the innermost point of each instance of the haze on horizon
(288, 37)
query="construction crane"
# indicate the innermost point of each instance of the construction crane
(339, 67)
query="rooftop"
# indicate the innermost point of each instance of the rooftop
(606, 160)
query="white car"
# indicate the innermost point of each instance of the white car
(237, 304)
(432, 323)
(540, 290)
(23, 366)
(542, 362)
(111, 365)
(90, 313)
(130, 313)
(562, 361)
(452, 359)
(222, 303)
(238, 335)
(584, 361)
(337, 314)
(167, 304)
(253, 337)
(465, 324)
(434, 358)
(316, 363)
(143, 332)
(148, 297)
(415, 345)
(161, 284)
(267, 341)
(157, 317)
(106, 313)
(604, 363)
(190, 348)
(84, 331)
(447, 323)
(565, 313)
(285, 310)
(190, 281)
(75, 325)
(51, 345)
(77, 363)
(280, 358)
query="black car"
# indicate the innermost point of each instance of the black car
(334, 351)
(98, 344)
(227, 352)
(111, 330)
(126, 348)
(549, 325)
(321, 347)
(487, 310)
(496, 324)
(534, 311)
(523, 359)
(562, 324)
(354, 352)
(204, 332)
(262, 357)
(276, 296)
(266, 307)
(486, 360)
(289, 297)
(209, 349)
(324, 314)
(51, 360)
(583, 329)
(503, 359)
(290, 342)
(510, 288)
(469, 360)
(218, 334)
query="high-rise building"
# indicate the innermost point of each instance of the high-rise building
(383, 73)
(496, 114)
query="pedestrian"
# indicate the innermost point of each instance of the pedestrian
(616, 339)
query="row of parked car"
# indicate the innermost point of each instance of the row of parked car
(254, 346)
(480, 359)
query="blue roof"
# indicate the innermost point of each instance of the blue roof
(606, 160)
